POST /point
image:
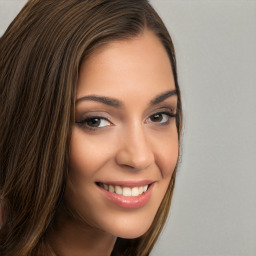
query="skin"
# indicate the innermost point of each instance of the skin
(130, 143)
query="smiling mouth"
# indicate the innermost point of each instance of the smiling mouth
(124, 191)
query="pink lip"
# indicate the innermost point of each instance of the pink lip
(129, 202)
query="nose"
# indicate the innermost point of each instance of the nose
(135, 150)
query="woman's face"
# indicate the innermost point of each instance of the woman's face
(124, 144)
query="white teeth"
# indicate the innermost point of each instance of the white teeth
(118, 190)
(135, 191)
(141, 190)
(145, 188)
(125, 191)
(111, 189)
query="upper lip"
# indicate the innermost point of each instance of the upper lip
(130, 183)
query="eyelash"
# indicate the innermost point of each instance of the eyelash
(168, 114)
(84, 123)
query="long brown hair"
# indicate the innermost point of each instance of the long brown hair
(41, 52)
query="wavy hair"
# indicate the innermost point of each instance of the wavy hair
(41, 52)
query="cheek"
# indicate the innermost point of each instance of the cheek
(166, 155)
(87, 154)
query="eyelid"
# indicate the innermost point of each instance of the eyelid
(83, 115)
(89, 117)
(166, 106)
(165, 109)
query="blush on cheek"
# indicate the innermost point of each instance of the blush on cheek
(169, 161)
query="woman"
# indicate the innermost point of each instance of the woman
(90, 127)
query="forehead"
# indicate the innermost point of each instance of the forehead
(135, 63)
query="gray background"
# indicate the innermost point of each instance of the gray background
(214, 207)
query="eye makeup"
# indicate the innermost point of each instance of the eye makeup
(98, 117)
(94, 122)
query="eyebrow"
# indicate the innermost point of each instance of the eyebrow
(163, 96)
(117, 103)
(105, 100)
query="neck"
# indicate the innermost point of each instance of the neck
(71, 237)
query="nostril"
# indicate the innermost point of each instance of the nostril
(136, 159)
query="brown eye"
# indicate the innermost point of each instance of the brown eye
(160, 118)
(94, 122)
(156, 118)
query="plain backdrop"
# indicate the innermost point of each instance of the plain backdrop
(214, 205)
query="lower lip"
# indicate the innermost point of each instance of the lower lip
(129, 202)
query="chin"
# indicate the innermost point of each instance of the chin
(131, 233)
(130, 227)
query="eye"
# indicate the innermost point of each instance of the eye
(94, 122)
(160, 118)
